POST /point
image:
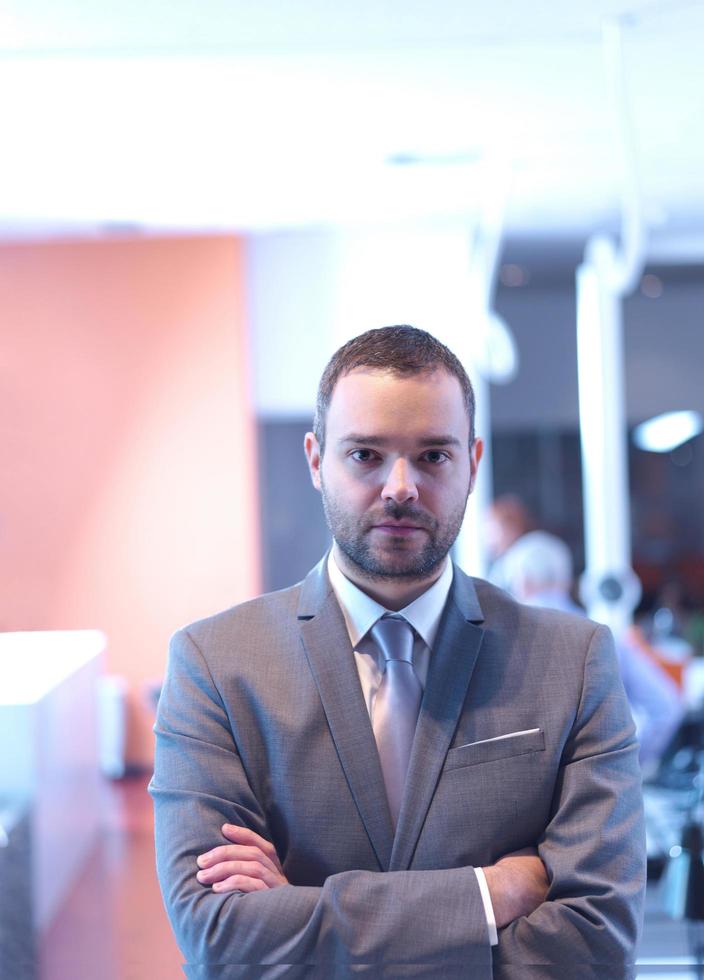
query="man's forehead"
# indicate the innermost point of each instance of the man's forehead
(369, 401)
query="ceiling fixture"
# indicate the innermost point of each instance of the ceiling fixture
(666, 432)
(461, 158)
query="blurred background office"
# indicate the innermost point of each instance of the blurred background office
(198, 203)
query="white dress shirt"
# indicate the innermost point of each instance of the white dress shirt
(360, 612)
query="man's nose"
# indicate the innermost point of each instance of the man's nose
(400, 483)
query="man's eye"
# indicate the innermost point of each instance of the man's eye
(435, 456)
(363, 455)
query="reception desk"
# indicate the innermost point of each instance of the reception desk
(49, 779)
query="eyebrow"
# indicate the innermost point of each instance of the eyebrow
(439, 440)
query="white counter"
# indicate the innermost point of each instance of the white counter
(49, 753)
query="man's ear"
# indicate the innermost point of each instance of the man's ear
(313, 456)
(475, 455)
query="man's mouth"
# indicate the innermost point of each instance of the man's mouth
(399, 528)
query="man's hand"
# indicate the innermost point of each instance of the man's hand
(518, 884)
(250, 863)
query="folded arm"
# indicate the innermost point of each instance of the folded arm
(517, 883)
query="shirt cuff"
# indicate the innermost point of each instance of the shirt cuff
(488, 907)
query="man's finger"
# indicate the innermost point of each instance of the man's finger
(243, 835)
(239, 883)
(235, 852)
(226, 869)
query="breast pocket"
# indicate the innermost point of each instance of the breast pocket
(492, 749)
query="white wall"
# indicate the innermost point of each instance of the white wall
(311, 291)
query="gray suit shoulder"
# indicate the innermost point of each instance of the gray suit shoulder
(263, 613)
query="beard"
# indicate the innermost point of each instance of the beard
(399, 559)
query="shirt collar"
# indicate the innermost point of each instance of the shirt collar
(360, 611)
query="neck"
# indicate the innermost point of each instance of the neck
(391, 593)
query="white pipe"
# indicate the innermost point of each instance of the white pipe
(623, 270)
(610, 587)
(603, 436)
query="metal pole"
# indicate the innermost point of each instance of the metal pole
(610, 588)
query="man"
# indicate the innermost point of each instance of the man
(538, 570)
(507, 520)
(372, 772)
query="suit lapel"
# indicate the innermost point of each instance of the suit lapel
(331, 660)
(451, 665)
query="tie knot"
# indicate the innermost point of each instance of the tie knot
(394, 637)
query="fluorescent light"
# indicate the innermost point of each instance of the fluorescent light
(666, 432)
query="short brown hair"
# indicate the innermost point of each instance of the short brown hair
(402, 350)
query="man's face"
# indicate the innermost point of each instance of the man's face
(396, 471)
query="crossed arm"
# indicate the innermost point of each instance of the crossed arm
(518, 883)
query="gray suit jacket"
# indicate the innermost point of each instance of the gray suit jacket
(524, 738)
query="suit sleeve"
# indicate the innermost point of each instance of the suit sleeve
(593, 847)
(403, 923)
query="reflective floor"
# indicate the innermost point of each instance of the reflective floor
(113, 925)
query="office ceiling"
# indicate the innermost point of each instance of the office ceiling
(258, 114)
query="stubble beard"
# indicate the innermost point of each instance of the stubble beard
(397, 561)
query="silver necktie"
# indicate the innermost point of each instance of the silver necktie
(396, 705)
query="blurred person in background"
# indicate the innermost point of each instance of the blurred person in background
(507, 519)
(538, 570)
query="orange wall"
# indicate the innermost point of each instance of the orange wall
(128, 491)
